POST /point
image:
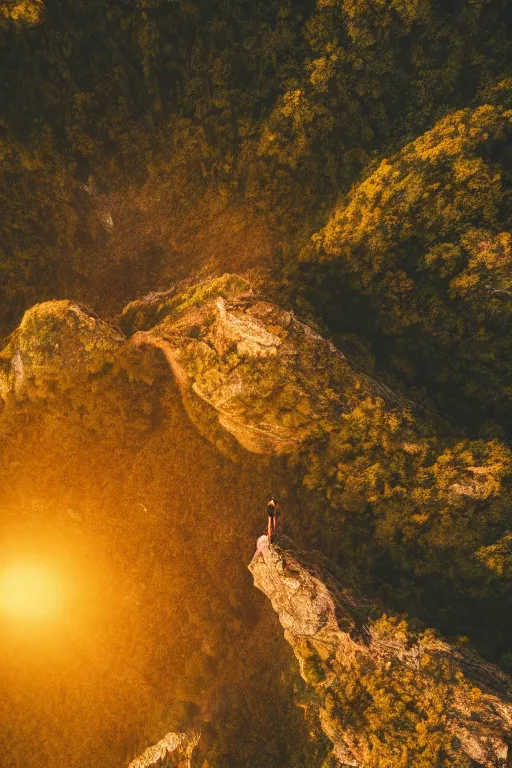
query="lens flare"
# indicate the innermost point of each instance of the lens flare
(30, 592)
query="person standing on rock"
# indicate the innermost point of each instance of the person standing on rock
(273, 513)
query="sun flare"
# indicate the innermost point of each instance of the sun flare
(30, 592)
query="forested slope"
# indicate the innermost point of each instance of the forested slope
(201, 121)
(424, 244)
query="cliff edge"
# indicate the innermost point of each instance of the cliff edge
(386, 693)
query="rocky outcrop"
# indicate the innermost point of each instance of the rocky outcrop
(175, 748)
(272, 382)
(57, 346)
(383, 690)
(265, 378)
(249, 374)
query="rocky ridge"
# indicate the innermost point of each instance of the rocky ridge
(251, 362)
(175, 748)
(352, 655)
(268, 379)
(248, 374)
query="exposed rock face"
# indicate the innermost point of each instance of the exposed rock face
(272, 381)
(175, 748)
(265, 378)
(357, 661)
(248, 372)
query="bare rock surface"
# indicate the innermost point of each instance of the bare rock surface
(268, 379)
(175, 748)
(272, 381)
(357, 659)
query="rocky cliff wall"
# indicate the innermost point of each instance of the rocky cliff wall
(386, 694)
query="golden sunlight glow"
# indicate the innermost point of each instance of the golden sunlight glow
(31, 592)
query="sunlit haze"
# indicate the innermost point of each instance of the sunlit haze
(31, 592)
